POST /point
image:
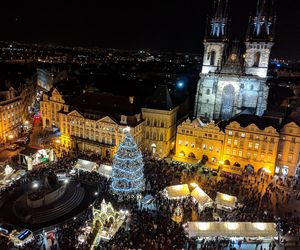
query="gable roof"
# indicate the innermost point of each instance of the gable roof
(160, 99)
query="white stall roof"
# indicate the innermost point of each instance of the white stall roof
(86, 165)
(105, 170)
(231, 229)
(226, 200)
(178, 191)
(201, 197)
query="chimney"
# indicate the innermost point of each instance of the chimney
(131, 99)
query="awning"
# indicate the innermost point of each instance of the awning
(105, 170)
(226, 200)
(201, 197)
(231, 229)
(178, 191)
(86, 165)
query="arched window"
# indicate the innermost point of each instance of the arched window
(162, 124)
(148, 122)
(147, 134)
(207, 91)
(212, 57)
(154, 136)
(161, 137)
(227, 101)
(155, 123)
(256, 59)
(251, 87)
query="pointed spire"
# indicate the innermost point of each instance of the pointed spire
(218, 23)
(261, 25)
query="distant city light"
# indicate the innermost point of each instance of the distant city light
(180, 84)
(35, 185)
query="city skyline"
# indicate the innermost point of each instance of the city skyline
(166, 26)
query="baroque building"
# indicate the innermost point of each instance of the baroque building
(95, 121)
(159, 130)
(232, 81)
(15, 104)
(92, 121)
(246, 142)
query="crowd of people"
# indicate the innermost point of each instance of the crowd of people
(261, 198)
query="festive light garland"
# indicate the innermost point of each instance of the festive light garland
(128, 168)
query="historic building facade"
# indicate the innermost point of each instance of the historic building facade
(91, 121)
(245, 142)
(95, 122)
(159, 130)
(232, 81)
(14, 110)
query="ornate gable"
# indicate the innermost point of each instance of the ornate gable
(75, 113)
(106, 119)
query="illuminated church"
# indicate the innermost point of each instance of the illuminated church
(233, 79)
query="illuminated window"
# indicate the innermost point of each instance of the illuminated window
(240, 153)
(211, 148)
(229, 132)
(192, 145)
(290, 158)
(227, 150)
(186, 143)
(243, 135)
(256, 145)
(179, 142)
(229, 141)
(248, 155)
(234, 152)
(254, 156)
(235, 142)
(204, 146)
(250, 145)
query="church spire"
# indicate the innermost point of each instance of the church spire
(218, 22)
(261, 26)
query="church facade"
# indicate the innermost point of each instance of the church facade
(232, 79)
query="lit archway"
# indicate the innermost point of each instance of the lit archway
(227, 102)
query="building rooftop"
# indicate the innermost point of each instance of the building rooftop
(160, 99)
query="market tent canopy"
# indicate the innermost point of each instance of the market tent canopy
(105, 170)
(178, 191)
(226, 200)
(231, 229)
(201, 197)
(86, 165)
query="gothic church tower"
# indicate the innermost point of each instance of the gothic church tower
(215, 39)
(259, 39)
(229, 82)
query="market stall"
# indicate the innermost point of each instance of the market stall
(31, 157)
(85, 165)
(201, 198)
(226, 202)
(177, 191)
(244, 230)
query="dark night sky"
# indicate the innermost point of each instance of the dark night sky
(169, 25)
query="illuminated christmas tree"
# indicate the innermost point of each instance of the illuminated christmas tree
(128, 168)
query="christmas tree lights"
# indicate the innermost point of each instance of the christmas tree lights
(128, 168)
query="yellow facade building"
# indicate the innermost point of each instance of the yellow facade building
(95, 122)
(159, 130)
(246, 142)
(92, 122)
(14, 111)
(195, 139)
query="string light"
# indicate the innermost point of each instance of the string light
(128, 168)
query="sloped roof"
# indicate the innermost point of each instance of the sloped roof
(245, 120)
(160, 99)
